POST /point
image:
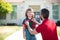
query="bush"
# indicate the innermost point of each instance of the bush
(11, 24)
(5, 7)
(58, 23)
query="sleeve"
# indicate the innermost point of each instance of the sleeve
(34, 25)
(39, 29)
(24, 23)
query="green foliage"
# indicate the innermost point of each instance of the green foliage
(5, 7)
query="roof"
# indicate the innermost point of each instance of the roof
(53, 1)
(14, 0)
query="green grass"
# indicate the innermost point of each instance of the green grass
(58, 30)
(7, 30)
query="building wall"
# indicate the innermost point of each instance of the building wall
(59, 13)
(22, 7)
(19, 15)
(25, 5)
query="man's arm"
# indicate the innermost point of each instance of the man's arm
(35, 21)
(31, 30)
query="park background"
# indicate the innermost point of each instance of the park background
(11, 22)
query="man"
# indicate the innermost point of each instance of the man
(48, 28)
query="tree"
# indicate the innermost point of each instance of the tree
(5, 7)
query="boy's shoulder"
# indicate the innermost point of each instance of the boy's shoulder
(24, 19)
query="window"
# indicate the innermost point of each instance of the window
(35, 7)
(14, 12)
(2, 16)
(37, 16)
(55, 11)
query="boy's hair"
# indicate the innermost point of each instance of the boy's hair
(45, 13)
(29, 9)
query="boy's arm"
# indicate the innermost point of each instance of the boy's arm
(31, 30)
(24, 35)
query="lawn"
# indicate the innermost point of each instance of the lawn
(58, 31)
(7, 30)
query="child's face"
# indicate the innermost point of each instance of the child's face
(29, 14)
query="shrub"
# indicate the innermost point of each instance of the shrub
(58, 23)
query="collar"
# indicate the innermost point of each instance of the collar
(45, 20)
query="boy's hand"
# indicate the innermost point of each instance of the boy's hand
(24, 36)
(27, 23)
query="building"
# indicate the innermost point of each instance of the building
(20, 7)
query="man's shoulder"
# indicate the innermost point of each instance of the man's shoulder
(52, 21)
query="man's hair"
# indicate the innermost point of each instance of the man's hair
(45, 13)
